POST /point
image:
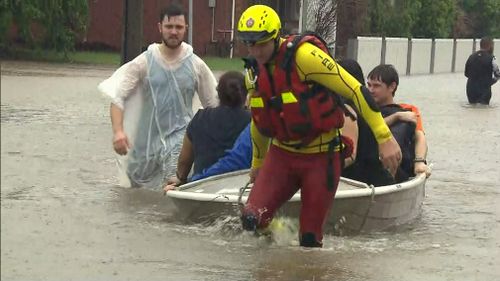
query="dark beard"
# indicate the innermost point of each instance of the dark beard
(170, 46)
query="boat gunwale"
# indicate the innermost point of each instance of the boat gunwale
(363, 190)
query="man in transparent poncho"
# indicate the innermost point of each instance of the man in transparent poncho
(152, 100)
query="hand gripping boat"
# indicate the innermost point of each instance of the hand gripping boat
(357, 206)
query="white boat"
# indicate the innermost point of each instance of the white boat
(357, 207)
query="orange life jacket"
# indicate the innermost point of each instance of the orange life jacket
(288, 109)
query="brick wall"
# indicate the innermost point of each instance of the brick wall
(105, 24)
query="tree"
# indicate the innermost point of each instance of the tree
(463, 26)
(5, 20)
(423, 18)
(63, 21)
(21, 14)
(436, 19)
(479, 18)
(58, 23)
(404, 15)
(392, 18)
(323, 15)
(491, 18)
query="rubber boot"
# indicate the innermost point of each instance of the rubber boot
(308, 239)
(249, 222)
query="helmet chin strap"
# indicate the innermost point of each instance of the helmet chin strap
(276, 48)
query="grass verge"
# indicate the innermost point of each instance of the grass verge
(104, 58)
(86, 57)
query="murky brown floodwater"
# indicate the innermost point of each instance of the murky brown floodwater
(64, 218)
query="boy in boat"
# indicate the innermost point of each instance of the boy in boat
(404, 120)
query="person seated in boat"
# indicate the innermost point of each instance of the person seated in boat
(213, 130)
(239, 157)
(404, 120)
(364, 164)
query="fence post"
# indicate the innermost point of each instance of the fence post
(454, 55)
(408, 56)
(433, 54)
(382, 51)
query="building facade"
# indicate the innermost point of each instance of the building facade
(212, 23)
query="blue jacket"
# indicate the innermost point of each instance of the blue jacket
(238, 158)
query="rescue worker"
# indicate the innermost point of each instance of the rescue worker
(295, 123)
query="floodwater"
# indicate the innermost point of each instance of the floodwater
(63, 217)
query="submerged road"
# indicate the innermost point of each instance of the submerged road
(63, 217)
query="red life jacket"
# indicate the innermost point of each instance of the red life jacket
(284, 107)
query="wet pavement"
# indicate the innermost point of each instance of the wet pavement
(63, 217)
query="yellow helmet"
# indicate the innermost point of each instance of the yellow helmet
(258, 24)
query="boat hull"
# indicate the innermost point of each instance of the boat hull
(356, 208)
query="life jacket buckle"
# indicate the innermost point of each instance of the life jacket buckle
(276, 103)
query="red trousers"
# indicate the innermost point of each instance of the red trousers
(279, 178)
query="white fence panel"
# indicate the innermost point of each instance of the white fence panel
(463, 51)
(443, 55)
(369, 51)
(421, 56)
(396, 53)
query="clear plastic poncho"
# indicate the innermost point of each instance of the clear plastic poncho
(156, 115)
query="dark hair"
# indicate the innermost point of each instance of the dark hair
(385, 73)
(172, 10)
(485, 43)
(353, 67)
(231, 89)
